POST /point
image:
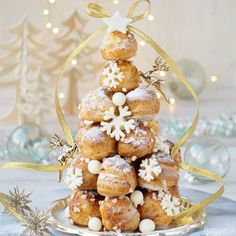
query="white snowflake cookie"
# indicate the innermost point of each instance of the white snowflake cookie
(149, 169)
(171, 205)
(73, 178)
(113, 75)
(116, 125)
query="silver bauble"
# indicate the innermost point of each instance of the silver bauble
(28, 143)
(195, 75)
(210, 154)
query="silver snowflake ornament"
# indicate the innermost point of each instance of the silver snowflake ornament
(149, 168)
(36, 223)
(19, 200)
(116, 125)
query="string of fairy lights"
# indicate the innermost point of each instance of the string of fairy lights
(49, 25)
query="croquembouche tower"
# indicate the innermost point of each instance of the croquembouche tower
(123, 177)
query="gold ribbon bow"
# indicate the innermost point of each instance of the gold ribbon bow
(97, 11)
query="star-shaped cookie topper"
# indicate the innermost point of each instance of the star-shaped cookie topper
(117, 23)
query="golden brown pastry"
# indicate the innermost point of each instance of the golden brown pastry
(119, 214)
(143, 102)
(78, 177)
(94, 143)
(116, 178)
(82, 206)
(89, 179)
(119, 76)
(138, 143)
(94, 105)
(157, 209)
(156, 172)
(118, 46)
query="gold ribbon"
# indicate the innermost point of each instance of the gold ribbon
(25, 165)
(97, 11)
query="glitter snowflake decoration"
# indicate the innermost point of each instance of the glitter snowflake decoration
(19, 200)
(149, 169)
(74, 178)
(36, 223)
(117, 125)
(171, 205)
(113, 75)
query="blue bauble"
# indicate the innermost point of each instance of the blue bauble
(28, 143)
(210, 154)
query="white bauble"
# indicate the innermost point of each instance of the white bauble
(137, 198)
(147, 225)
(95, 224)
(94, 167)
(118, 99)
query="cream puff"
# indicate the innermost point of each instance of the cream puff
(95, 104)
(156, 172)
(117, 177)
(118, 46)
(143, 102)
(119, 214)
(95, 144)
(82, 206)
(138, 143)
(156, 207)
(119, 76)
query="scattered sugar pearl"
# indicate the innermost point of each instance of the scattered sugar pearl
(94, 167)
(146, 226)
(124, 90)
(137, 198)
(119, 99)
(95, 224)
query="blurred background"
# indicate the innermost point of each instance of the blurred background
(37, 36)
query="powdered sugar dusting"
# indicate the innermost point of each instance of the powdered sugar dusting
(117, 163)
(140, 94)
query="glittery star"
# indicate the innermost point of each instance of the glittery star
(117, 23)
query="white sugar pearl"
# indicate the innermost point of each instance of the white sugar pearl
(94, 167)
(95, 224)
(146, 226)
(119, 99)
(137, 198)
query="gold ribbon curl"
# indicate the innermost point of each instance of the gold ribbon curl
(97, 11)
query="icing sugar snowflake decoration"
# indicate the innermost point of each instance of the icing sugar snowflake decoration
(113, 75)
(116, 125)
(73, 178)
(171, 205)
(149, 168)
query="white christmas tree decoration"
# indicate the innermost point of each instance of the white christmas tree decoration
(37, 95)
(117, 124)
(113, 75)
(74, 178)
(171, 205)
(83, 69)
(23, 59)
(149, 169)
(117, 23)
